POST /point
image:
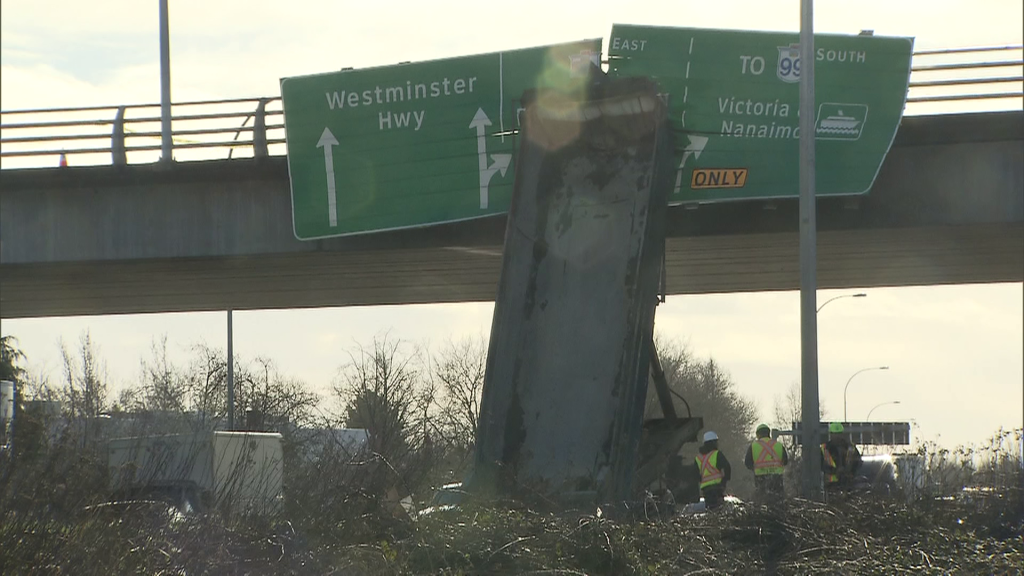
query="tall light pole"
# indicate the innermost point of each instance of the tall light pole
(811, 481)
(851, 380)
(834, 298)
(231, 374)
(868, 419)
(165, 85)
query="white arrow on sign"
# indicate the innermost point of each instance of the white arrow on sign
(327, 140)
(694, 148)
(501, 161)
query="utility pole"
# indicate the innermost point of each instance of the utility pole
(811, 477)
(231, 375)
(165, 85)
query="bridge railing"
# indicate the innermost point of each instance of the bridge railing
(942, 81)
(966, 80)
(235, 128)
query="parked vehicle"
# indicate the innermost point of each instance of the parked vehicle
(238, 472)
(877, 475)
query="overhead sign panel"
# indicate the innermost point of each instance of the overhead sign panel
(866, 433)
(734, 96)
(414, 144)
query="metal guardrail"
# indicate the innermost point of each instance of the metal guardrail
(256, 125)
(928, 64)
(249, 124)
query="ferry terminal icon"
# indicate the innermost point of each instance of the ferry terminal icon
(840, 121)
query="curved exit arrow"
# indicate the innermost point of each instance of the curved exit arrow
(501, 161)
(694, 148)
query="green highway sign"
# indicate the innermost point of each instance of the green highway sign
(734, 98)
(414, 144)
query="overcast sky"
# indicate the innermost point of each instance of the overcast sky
(955, 351)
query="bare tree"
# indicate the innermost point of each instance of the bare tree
(711, 394)
(383, 389)
(273, 398)
(163, 384)
(206, 380)
(458, 369)
(37, 386)
(197, 392)
(194, 393)
(787, 410)
(380, 391)
(85, 379)
(707, 388)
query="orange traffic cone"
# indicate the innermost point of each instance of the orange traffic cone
(63, 160)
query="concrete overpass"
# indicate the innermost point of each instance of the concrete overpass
(948, 207)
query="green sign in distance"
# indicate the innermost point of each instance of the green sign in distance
(734, 97)
(414, 144)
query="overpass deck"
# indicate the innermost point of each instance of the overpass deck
(948, 207)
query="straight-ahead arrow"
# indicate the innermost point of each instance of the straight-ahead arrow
(501, 161)
(694, 148)
(327, 141)
(480, 122)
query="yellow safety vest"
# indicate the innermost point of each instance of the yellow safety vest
(709, 472)
(831, 477)
(767, 455)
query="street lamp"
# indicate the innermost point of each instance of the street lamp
(858, 295)
(851, 380)
(166, 145)
(868, 419)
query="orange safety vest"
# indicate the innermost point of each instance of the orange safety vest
(767, 455)
(709, 472)
(831, 477)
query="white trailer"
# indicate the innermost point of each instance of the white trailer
(239, 472)
(6, 411)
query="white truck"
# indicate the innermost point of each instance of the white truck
(238, 472)
(6, 411)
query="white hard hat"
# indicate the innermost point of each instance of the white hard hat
(709, 436)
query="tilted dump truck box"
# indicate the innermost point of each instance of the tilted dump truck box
(568, 364)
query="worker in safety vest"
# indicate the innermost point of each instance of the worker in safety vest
(839, 458)
(768, 459)
(715, 471)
